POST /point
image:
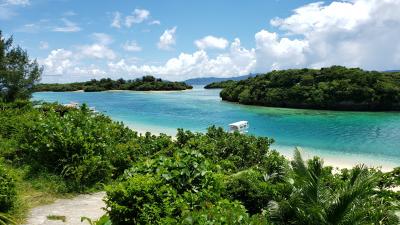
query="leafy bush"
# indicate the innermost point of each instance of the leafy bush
(8, 193)
(233, 151)
(222, 212)
(254, 190)
(163, 188)
(75, 144)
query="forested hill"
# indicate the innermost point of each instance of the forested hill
(146, 83)
(209, 80)
(222, 84)
(335, 88)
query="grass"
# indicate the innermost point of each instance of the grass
(57, 217)
(35, 191)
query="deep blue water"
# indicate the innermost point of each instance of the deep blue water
(373, 135)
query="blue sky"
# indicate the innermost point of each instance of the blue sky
(80, 40)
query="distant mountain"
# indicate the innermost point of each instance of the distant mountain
(209, 80)
(392, 71)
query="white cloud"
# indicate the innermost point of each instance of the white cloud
(237, 60)
(18, 2)
(68, 27)
(116, 20)
(155, 22)
(57, 62)
(102, 38)
(273, 52)
(211, 42)
(167, 39)
(97, 51)
(7, 8)
(359, 33)
(131, 46)
(138, 16)
(356, 33)
(63, 66)
(43, 45)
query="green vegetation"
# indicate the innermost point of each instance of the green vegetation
(222, 84)
(216, 177)
(18, 73)
(48, 150)
(57, 217)
(146, 83)
(335, 88)
(8, 192)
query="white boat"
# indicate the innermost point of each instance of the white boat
(72, 105)
(240, 126)
(93, 109)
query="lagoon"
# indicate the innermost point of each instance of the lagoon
(347, 137)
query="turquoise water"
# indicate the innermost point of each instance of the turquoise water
(341, 134)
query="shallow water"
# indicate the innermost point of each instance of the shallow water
(372, 135)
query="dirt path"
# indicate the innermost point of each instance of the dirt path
(72, 209)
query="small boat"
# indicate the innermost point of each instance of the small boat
(93, 109)
(72, 105)
(240, 126)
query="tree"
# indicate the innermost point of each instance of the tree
(320, 198)
(18, 73)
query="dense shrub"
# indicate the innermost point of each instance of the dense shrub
(8, 193)
(160, 190)
(222, 212)
(255, 190)
(75, 144)
(233, 151)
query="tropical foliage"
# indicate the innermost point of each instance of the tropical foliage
(198, 178)
(215, 177)
(18, 73)
(336, 88)
(7, 190)
(146, 83)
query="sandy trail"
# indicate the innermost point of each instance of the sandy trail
(89, 205)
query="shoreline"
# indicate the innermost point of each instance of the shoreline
(337, 162)
(117, 90)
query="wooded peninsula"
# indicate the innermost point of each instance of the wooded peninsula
(334, 88)
(146, 83)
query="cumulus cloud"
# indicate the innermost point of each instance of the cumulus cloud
(131, 46)
(237, 60)
(138, 16)
(351, 33)
(354, 33)
(68, 26)
(211, 42)
(273, 52)
(167, 39)
(57, 62)
(97, 51)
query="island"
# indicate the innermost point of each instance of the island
(333, 88)
(218, 85)
(146, 83)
